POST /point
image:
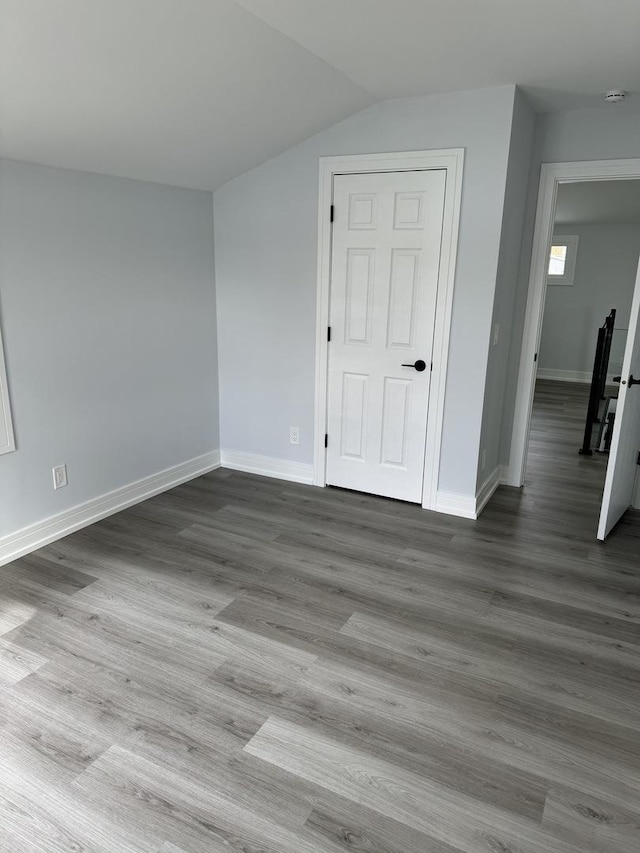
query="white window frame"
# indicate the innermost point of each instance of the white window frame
(7, 439)
(571, 242)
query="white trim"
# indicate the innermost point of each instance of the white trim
(453, 161)
(569, 375)
(552, 175)
(486, 490)
(56, 526)
(267, 466)
(6, 424)
(464, 506)
(563, 375)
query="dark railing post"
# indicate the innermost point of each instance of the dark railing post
(598, 379)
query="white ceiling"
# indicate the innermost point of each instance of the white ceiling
(598, 203)
(193, 92)
(561, 50)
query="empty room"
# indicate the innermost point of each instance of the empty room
(319, 426)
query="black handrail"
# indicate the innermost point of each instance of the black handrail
(598, 379)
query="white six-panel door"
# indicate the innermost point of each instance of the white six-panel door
(386, 246)
(625, 443)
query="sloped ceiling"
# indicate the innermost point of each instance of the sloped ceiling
(188, 92)
(193, 92)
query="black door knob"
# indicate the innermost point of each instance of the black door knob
(633, 381)
(419, 365)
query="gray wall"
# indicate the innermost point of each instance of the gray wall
(266, 247)
(108, 313)
(606, 133)
(520, 149)
(605, 275)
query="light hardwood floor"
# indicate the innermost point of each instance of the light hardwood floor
(243, 664)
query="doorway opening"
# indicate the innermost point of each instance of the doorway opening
(576, 434)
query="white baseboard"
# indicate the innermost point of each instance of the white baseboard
(468, 506)
(267, 466)
(569, 375)
(563, 375)
(452, 503)
(464, 506)
(56, 526)
(497, 478)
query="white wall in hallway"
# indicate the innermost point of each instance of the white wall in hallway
(108, 313)
(606, 267)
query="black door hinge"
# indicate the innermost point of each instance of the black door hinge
(638, 457)
(328, 333)
(326, 440)
(331, 213)
(535, 358)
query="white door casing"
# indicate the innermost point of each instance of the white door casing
(387, 234)
(452, 161)
(625, 443)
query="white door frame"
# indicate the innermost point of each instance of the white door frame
(452, 160)
(7, 439)
(551, 176)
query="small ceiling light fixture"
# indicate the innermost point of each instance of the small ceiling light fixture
(615, 96)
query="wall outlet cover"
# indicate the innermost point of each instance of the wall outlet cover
(60, 476)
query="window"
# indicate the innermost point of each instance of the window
(562, 259)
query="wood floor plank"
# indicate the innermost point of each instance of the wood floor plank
(156, 602)
(39, 569)
(415, 727)
(17, 662)
(426, 807)
(44, 814)
(625, 627)
(544, 675)
(357, 828)
(195, 816)
(590, 823)
(64, 740)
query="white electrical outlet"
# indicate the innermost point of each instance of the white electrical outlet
(294, 435)
(483, 459)
(60, 476)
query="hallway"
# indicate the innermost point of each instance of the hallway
(561, 485)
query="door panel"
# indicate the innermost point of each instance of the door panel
(354, 416)
(396, 404)
(384, 274)
(358, 309)
(405, 271)
(625, 443)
